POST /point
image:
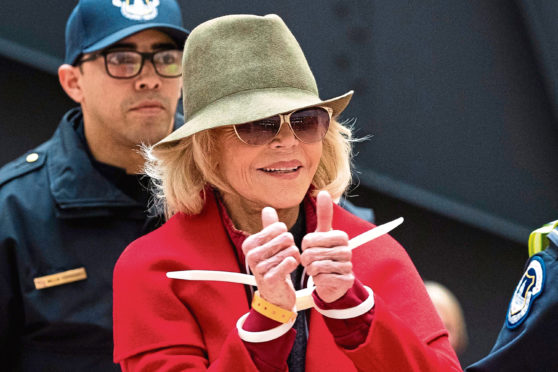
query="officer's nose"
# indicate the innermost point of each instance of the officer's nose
(148, 78)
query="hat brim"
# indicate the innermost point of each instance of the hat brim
(178, 34)
(253, 105)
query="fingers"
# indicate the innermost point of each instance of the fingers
(276, 273)
(275, 285)
(271, 239)
(331, 287)
(332, 278)
(326, 255)
(324, 211)
(269, 216)
(328, 260)
(272, 256)
(332, 238)
(336, 254)
(263, 258)
(268, 233)
(329, 268)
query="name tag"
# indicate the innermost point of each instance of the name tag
(64, 277)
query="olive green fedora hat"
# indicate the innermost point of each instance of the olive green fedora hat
(241, 68)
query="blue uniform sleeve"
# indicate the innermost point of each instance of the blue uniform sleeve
(529, 338)
(11, 303)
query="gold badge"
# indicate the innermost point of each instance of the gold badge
(60, 278)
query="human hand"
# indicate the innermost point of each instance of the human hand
(272, 255)
(326, 254)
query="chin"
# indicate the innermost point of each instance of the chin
(282, 202)
(152, 137)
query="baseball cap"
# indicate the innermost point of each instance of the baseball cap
(96, 24)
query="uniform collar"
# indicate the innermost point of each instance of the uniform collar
(75, 183)
(553, 238)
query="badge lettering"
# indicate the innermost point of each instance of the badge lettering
(64, 277)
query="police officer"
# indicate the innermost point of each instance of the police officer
(70, 206)
(528, 340)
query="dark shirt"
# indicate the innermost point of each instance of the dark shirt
(135, 186)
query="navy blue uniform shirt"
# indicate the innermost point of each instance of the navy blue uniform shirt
(64, 219)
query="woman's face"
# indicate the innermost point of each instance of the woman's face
(277, 174)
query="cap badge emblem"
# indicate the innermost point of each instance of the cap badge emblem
(137, 10)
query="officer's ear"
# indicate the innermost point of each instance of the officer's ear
(69, 77)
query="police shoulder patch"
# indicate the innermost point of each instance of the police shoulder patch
(528, 289)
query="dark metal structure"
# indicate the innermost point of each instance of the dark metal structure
(460, 98)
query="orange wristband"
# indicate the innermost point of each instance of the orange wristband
(272, 311)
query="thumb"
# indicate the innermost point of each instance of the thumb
(269, 216)
(324, 211)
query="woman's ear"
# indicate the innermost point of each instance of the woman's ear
(69, 77)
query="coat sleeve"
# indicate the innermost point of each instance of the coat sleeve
(392, 345)
(406, 333)
(234, 356)
(531, 344)
(178, 358)
(155, 330)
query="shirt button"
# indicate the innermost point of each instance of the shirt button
(31, 158)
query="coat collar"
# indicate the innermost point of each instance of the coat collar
(74, 182)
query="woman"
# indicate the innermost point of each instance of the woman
(239, 182)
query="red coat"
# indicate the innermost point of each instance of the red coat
(191, 324)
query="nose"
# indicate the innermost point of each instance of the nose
(148, 79)
(285, 137)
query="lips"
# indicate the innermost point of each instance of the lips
(280, 170)
(148, 105)
(282, 167)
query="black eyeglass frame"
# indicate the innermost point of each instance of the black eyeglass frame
(144, 56)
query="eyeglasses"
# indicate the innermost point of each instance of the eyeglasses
(308, 125)
(126, 64)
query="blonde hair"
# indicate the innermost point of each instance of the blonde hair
(181, 170)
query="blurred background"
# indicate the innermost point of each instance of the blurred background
(459, 98)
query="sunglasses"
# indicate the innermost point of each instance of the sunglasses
(308, 125)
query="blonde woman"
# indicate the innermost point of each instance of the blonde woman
(247, 184)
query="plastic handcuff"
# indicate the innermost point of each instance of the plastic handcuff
(272, 334)
(304, 298)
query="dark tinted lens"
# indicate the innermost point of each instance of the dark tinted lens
(168, 62)
(259, 132)
(310, 125)
(123, 64)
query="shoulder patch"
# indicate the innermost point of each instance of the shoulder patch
(22, 165)
(530, 287)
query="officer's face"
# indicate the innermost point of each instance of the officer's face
(128, 112)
